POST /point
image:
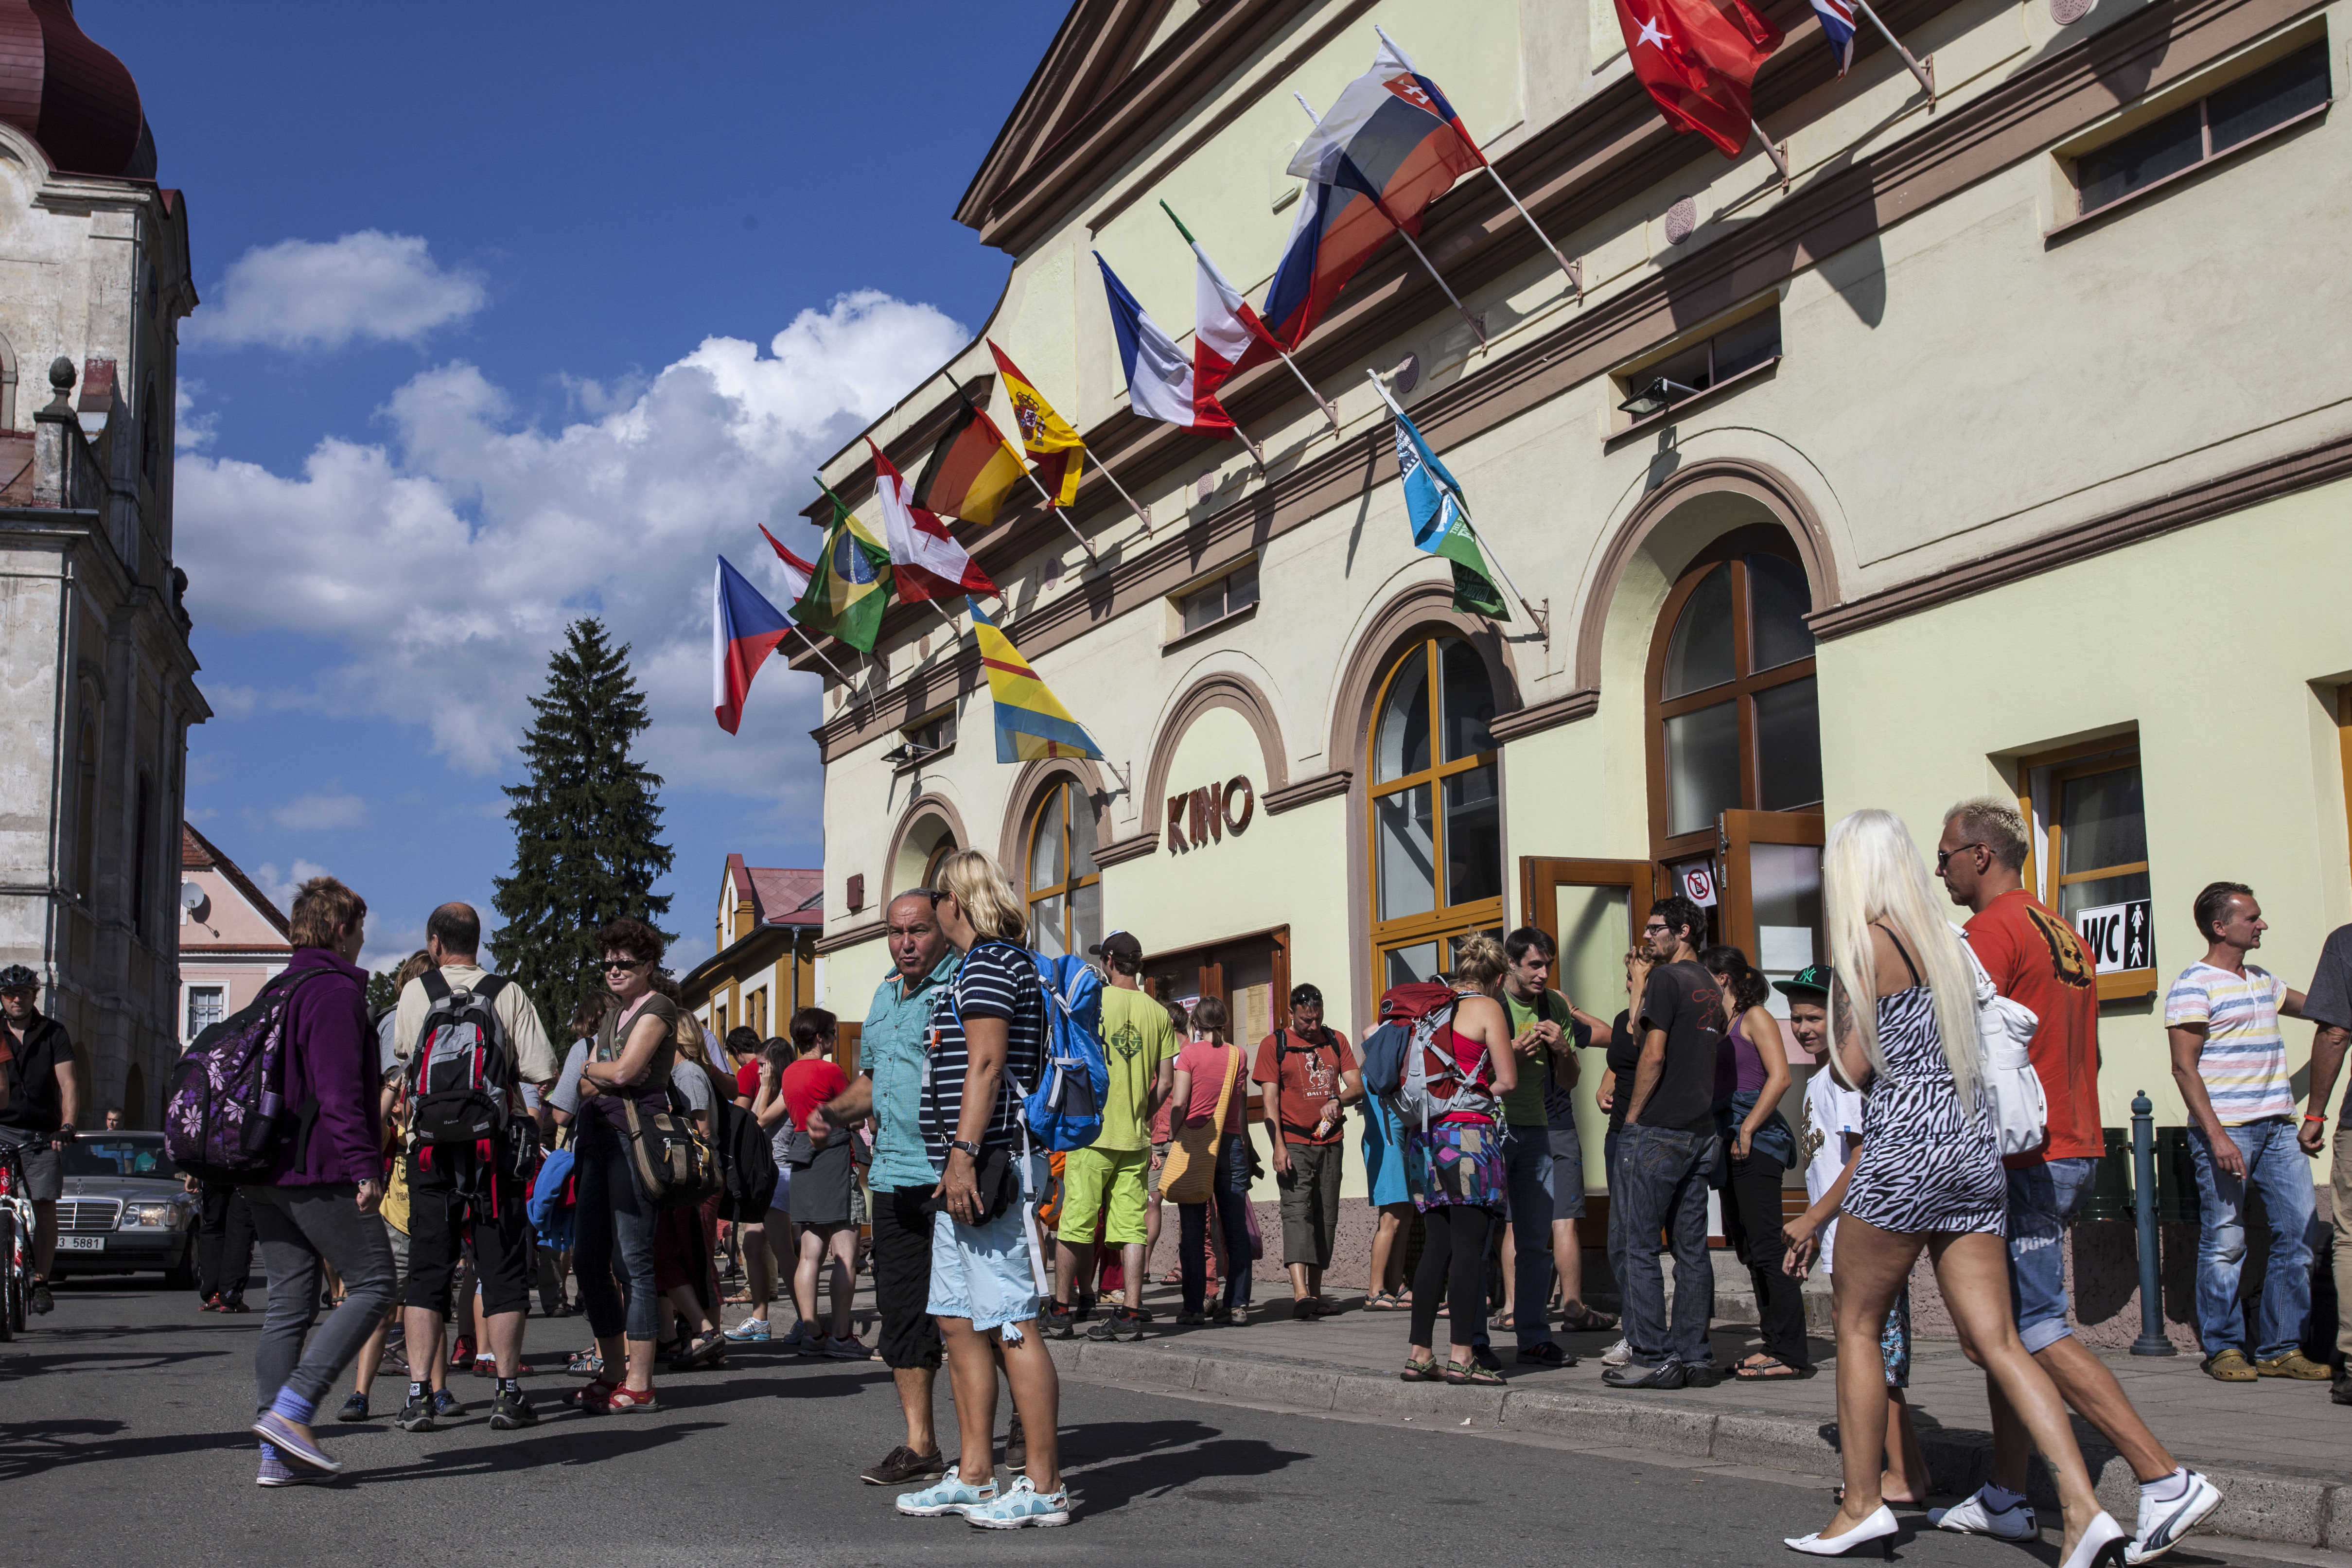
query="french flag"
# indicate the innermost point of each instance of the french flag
(1391, 146)
(744, 630)
(1162, 383)
(1837, 27)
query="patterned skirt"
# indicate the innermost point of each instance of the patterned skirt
(1455, 1163)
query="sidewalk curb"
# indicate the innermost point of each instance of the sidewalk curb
(2289, 1510)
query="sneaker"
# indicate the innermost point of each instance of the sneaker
(212, 1304)
(40, 1301)
(2340, 1391)
(1972, 1515)
(461, 1354)
(1188, 1319)
(511, 1411)
(1021, 1504)
(1121, 1324)
(355, 1409)
(2163, 1524)
(415, 1416)
(1483, 1355)
(1055, 1320)
(1617, 1354)
(849, 1347)
(1701, 1374)
(2229, 1367)
(1016, 1445)
(486, 1365)
(1545, 1353)
(751, 1330)
(1667, 1374)
(904, 1466)
(1222, 1315)
(277, 1431)
(228, 1304)
(949, 1496)
(2294, 1365)
(276, 1472)
(446, 1406)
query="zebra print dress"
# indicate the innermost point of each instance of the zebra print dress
(1927, 1164)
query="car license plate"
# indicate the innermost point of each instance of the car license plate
(82, 1243)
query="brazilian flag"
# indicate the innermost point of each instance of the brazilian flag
(851, 586)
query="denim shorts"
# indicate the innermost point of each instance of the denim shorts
(2042, 1202)
(982, 1272)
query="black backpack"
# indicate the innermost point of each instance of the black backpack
(460, 1077)
(748, 1160)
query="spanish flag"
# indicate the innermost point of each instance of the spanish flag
(1046, 434)
(1031, 725)
(970, 472)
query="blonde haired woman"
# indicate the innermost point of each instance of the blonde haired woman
(1904, 1030)
(1454, 1168)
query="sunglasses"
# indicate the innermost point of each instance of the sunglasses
(1944, 856)
(613, 965)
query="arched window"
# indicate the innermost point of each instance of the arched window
(931, 863)
(1064, 886)
(1434, 774)
(1734, 721)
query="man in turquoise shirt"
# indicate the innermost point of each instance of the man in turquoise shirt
(891, 1048)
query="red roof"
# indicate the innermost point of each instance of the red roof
(197, 851)
(779, 895)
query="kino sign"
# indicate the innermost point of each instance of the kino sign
(1208, 814)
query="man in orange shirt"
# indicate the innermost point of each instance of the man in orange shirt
(2033, 957)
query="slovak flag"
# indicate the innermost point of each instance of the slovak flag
(744, 630)
(925, 559)
(1699, 59)
(1162, 384)
(1837, 27)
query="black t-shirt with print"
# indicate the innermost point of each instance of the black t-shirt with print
(998, 980)
(1684, 1001)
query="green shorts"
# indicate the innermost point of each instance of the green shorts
(1104, 1184)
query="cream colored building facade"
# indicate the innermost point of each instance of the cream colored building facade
(2014, 462)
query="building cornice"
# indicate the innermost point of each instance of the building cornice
(852, 936)
(1319, 786)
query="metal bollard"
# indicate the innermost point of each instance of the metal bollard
(2151, 1341)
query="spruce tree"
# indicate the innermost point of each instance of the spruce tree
(586, 826)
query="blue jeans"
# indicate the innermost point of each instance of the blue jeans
(1527, 1171)
(1229, 1199)
(1661, 1184)
(613, 1224)
(2042, 1202)
(2277, 1169)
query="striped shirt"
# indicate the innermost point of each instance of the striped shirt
(998, 980)
(2243, 1063)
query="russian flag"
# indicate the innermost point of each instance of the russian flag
(1391, 146)
(1162, 384)
(1837, 26)
(744, 630)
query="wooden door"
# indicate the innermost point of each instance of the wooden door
(1771, 891)
(1593, 910)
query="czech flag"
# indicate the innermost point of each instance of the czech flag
(1391, 146)
(925, 559)
(1032, 724)
(1161, 382)
(744, 630)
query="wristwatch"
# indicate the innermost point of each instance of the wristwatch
(66, 1130)
(971, 1149)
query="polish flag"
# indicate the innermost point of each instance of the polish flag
(926, 561)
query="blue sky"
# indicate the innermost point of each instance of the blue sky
(516, 312)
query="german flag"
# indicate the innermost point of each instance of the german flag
(970, 472)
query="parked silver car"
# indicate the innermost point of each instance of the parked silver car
(125, 1210)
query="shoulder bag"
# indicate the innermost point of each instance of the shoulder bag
(1191, 1168)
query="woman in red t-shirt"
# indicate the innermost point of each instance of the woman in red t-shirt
(1454, 1168)
(1208, 1089)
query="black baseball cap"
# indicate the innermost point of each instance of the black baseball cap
(1808, 984)
(1118, 944)
(1306, 996)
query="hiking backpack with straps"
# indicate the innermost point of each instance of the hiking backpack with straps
(461, 1075)
(747, 1159)
(1063, 1110)
(1416, 1073)
(226, 1118)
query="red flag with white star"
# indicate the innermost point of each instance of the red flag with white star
(1698, 58)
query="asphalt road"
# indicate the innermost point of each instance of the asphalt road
(122, 1441)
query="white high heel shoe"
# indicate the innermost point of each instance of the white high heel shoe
(1879, 1528)
(2102, 1538)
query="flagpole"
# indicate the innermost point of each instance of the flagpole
(813, 648)
(1772, 148)
(1142, 512)
(1022, 464)
(1476, 331)
(1264, 337)
(1925, 73)
(1486, 546)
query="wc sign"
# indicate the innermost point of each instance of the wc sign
(2116, 936)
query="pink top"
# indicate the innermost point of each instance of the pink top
(1208, 1065)
(1467, 1055)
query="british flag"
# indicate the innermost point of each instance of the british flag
(1837, 26)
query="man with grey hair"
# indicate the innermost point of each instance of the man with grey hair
(2034, 958)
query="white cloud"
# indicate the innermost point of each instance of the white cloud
(281, 890)
(446, 563)
(231, 702)
(369, 286)
(319, 809)
(191, 431)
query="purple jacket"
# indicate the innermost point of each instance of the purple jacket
(332, 1060)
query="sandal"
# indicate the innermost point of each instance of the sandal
(1586, 1322)
(1423, 1370)
(581, 1361)
(622, 1401)
(1762, 1368)
(1503, 1320)
(1471, 1374)
(1381, 1301)
(593, 1397)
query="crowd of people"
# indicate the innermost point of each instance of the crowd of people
(450, 1164)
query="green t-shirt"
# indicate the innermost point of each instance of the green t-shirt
(1138, 1035)
(1526, 1106)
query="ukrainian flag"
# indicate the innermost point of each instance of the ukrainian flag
(1032, 724)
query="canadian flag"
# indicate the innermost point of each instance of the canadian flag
(926, 561)
(1698, 58)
